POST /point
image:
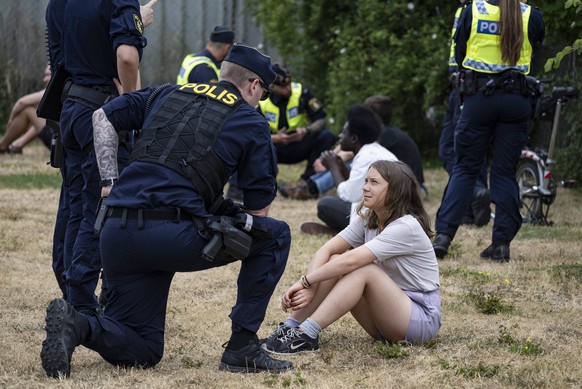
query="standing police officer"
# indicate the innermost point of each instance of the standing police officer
(54, 17)
(205, 65)
(102, 41)
(479, 210)
(493, 49)
(162, 212)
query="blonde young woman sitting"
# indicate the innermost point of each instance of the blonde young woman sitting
(381, 268)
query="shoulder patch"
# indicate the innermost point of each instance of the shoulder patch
(138, 23)
(314, 104)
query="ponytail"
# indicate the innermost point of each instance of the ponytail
(511, 28)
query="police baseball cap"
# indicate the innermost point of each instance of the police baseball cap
(283, 75)
(222, 34)
(253, 60)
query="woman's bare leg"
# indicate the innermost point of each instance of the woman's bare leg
(376, 302)
(35, 128)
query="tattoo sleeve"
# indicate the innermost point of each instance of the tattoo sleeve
(106, 141)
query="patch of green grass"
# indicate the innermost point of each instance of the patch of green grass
(550, 233)
(566, 272)
(520, 346)
(37, 180)
(490, 303)
(479, 276)
(189, 363)
(472, 371)
(391, 351)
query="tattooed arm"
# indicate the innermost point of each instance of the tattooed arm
(106, 141)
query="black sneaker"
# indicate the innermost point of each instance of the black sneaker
(251, 359)
(441, 245)
(65, 330)
(279, 331)
(481, 208)
(293, 342)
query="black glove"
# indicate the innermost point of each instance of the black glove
(228, 207)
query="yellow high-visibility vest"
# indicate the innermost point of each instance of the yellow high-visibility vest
(483, 47)
(294, 118)
(189, 63)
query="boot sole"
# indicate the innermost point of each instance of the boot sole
(54, 356)
(251, 369)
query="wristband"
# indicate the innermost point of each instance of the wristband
(305, 283)
(108, 182)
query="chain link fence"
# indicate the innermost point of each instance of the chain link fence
(180, 27)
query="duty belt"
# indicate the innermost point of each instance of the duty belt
(507, 82)
(172, 214)
(91, 97)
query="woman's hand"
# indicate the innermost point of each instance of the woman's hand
(297, 297)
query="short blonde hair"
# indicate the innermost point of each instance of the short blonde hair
(235, 74)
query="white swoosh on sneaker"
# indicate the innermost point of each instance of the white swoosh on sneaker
(295, 347)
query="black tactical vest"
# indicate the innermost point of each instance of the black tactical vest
(182, 134)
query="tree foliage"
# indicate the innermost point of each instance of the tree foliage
(346, 50)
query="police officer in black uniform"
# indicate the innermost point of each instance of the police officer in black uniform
(493, 49)
(102, 41)
(166, 212)
(479, 210)
(54, 16)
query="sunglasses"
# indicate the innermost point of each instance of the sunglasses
(266, 90)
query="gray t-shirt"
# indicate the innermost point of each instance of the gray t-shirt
(402, 249)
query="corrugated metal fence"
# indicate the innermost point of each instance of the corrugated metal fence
(180, 27)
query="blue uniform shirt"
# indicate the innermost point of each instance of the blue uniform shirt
(55, 19)
(244, 145)
(204, 73)
(89, 58)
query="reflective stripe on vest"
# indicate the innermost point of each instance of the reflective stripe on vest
(294, 118)
(483, 46)
(189, 63)
(452, 61)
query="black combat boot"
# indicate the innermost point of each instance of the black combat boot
(251, 359)
(65, 330)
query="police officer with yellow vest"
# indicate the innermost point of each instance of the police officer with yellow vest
(493, 50)
(205, 65)
(297, 122)
(479, 210)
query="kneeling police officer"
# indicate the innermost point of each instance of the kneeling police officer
(166, 214)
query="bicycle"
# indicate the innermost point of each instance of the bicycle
(537, 187)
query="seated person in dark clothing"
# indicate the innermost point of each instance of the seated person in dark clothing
(396, 140)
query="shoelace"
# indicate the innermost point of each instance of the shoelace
(291, 335)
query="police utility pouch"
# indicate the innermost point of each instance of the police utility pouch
(227, 240)
(467, 82)
(56, 157)
(102, 209)
(51, 104)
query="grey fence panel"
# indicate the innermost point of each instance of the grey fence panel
(180, 27)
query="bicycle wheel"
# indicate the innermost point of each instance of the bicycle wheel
(528, 180)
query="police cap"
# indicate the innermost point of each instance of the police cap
(283, 75)
(253, 60)
(222, 35)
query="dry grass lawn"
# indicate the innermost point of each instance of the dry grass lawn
(504, 326)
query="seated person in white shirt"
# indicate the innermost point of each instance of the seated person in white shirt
(359, 135)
